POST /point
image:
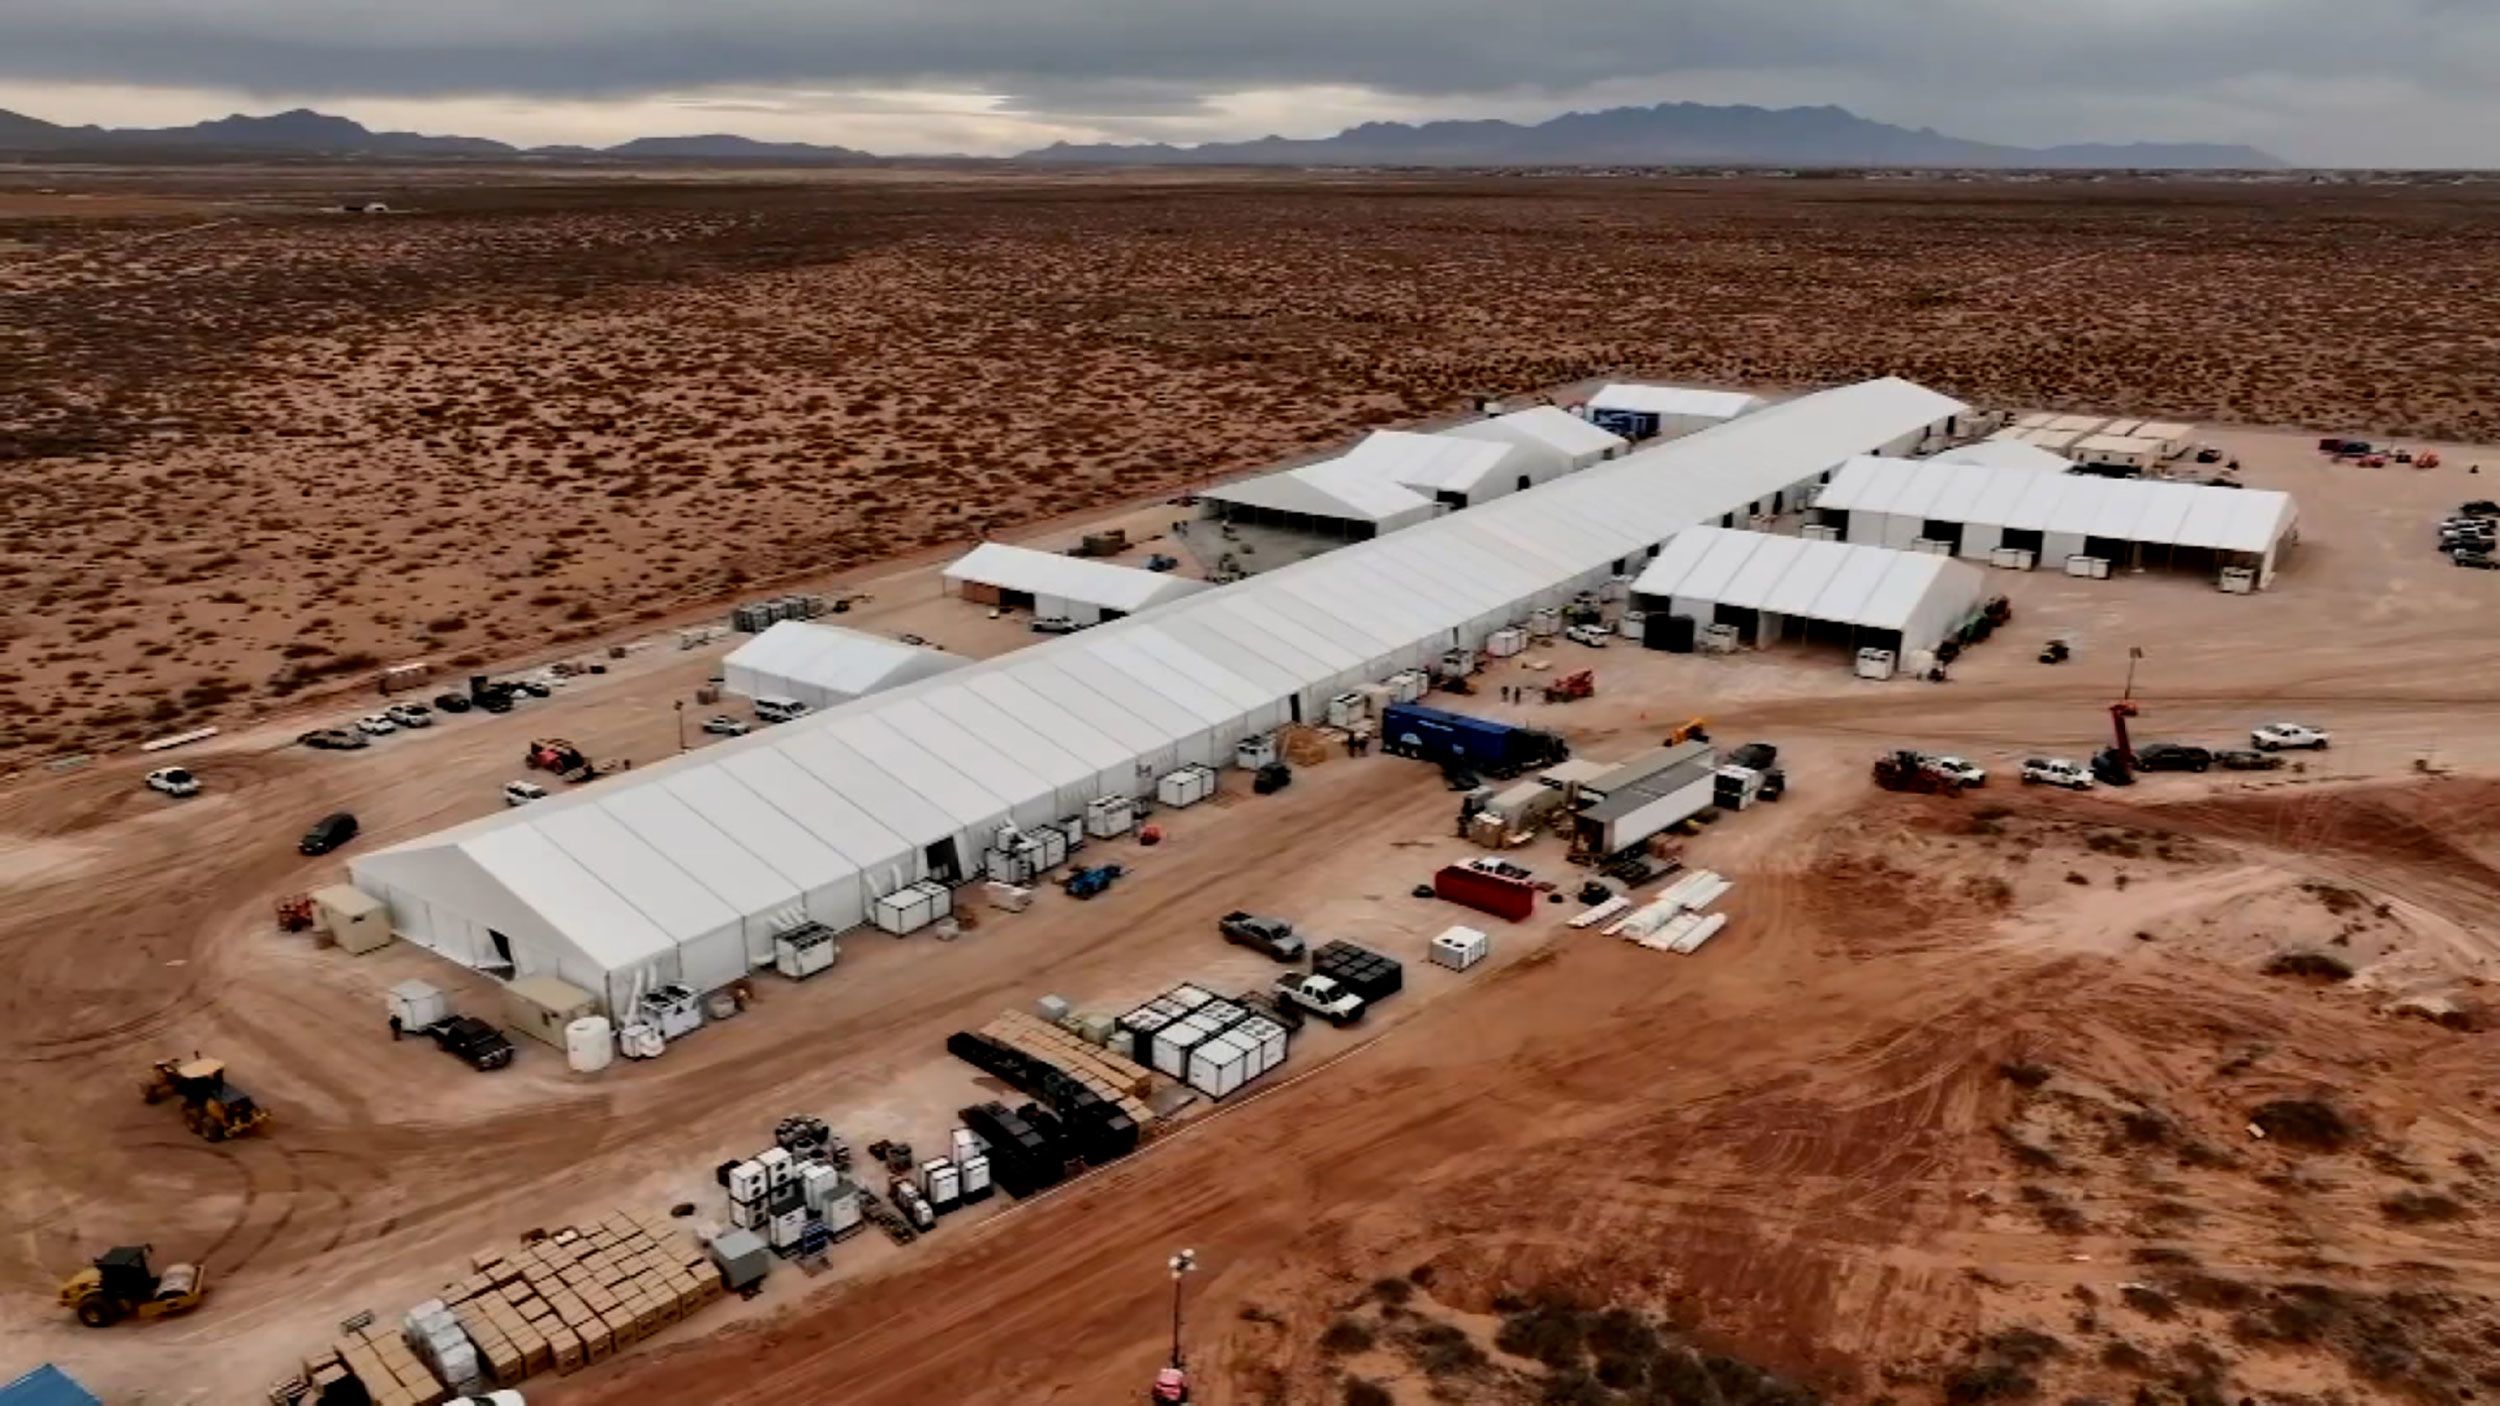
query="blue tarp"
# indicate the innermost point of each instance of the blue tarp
(47, 1385)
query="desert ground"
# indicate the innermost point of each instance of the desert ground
(257, 449)
(1958, 1109)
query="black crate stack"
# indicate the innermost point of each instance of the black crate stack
(1360, 970)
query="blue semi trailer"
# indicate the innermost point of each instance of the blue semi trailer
(1455, 739)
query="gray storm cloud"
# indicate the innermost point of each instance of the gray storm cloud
(1167, 56)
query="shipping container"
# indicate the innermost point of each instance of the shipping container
(1497, 894)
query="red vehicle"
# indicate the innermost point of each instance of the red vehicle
(1497, 894)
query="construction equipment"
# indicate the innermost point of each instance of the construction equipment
(211, 1107)
(2119, 712)
(1689, 730)
(2055, 652)
(295, 913)
(1089, 882)
(1572, 686)
(561, 757)
(120, 1285)
(1908, 771)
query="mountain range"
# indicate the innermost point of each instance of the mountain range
(1670, 134)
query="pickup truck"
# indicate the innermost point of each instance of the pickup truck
(1273, 936)
(478, 1044)
(1321, 996)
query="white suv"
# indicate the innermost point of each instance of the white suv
(1960, 769)
(1594, 636)
(174, 781)
(521, 793)
(410, 714)
(2274, 737)
(2056, 771)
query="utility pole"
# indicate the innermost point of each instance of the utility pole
(1182, 1264)
(2133, 654)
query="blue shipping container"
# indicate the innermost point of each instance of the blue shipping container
(47, 1385)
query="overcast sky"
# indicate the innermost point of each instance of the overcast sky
(2352, 82)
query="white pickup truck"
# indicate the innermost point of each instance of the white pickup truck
(1320, 995)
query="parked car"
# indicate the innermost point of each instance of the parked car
(723, 725)
(1754, 756)
(2239, 759)
(1273, 936)
(521, 793)
(771, 709)
(452, 702)
(2172, 756)
(2111, 768)
(174, 781)
(410, 714)
(535, 688)
(376, 725)
(1960, 769)
(479, 1045)
(333, 739)
(2273, 737)
(1055, 625)
(1321, 996)
(2056, 771)
(2480, 507)
(328, 833)
(2480, 561)
(1594, 636)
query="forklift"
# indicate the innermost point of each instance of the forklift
(119, 1285)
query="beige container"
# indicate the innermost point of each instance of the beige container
(542, 1006)
(357, 921)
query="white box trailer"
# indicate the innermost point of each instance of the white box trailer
(911, 908)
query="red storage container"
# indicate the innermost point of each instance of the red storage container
(1487, 893)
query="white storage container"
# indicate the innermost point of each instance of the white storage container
(1407, 685)
(963, 1143)
(418, 1004)
(817, 1183)
(1460, 948)
(1015, 866)
(1455, 663)
(1110, 817)
(1173, 1043)
(749, 1180)
(2093, 568)
(589, 1043)
(1007, 898)
(1122, 1043)
(1052, 1008)
(1345, 710)
(787, 1227)
(1185, 787)
(1544, 624)
(1251, 753)
(747, 1215)
(1719, 639)
(802, 954)
(1932, 546)
(942, 1184)
(1188, 998)
(780, 1169)
(976, 1177)
(911, 908)
(1266, 1040)
(1504, 643)
(1219, 1065)
(1616, 588)
(2237, 580)
(2012, 558)
(1875, 663)
(842, 1209)
(1817, 532)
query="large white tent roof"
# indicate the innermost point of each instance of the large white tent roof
(2132, 510)
(1122, 588)
(620, 870)
(830, 659)
(1330, 488)
(2006, 454)
(1874, 587)
(1429, 463)
(1675, 400)
(1548, 427)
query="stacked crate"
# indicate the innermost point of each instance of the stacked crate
(553, 1305)
(383, 1364)
(1117, 1080)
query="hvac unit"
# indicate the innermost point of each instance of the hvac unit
(1408, 685)
(1875, 663)
(1545, 624)
(1460, 948)
(975, 1175)
(911, 908)
(2095, 568)
(804, 951)
(1719, 639)
(2012, 558)
(1818, 532)
(673, 1010)
(1185, 787)
(748, 1181)
(1502, 644)
(942, 1184)
(817, 1183)
(1932, 546)
(2237, 580)
(1455, 663)
(1345, 710)
(1251, 753)
(1110, 817)
(1735, 787)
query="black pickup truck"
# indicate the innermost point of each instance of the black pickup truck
(478, 1044)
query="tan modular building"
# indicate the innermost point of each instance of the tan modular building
(2122, 453)
(542, 1006)
(2169, 434)
(356, 921)
(2078, 424)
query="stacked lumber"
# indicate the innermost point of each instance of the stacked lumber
(555, 1304)
(1307, 745)
(1117, 1079)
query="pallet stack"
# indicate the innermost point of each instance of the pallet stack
(1118, 1080)
(380, 1360)
(558, 1303)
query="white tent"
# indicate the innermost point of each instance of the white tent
(821, 665)
(1666, 412)
(1331, 496)
(671, 872)
(1771, 588)
(1998, 453)
(1054, 584)
(1558, 442)
(1979, 510)
(1448, 469)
